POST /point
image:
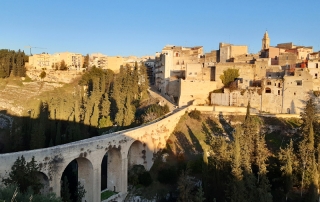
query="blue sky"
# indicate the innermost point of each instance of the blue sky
(141, 27)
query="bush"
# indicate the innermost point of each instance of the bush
(7, 194)
(154, 111)
(168, 175)
(145, 179)
(195, 114)
(134, 172)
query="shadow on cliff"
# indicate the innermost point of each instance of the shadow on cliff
(26, 133)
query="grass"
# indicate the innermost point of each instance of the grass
(106, 194)
(294, 122)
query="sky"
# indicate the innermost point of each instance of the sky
(141, 27)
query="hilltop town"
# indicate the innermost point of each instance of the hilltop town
(278, 79)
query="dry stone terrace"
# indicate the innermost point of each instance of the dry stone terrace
(124, 149)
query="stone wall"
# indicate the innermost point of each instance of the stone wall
(195, 91)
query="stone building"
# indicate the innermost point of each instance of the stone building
(106, 62)
(48, 61)
(278, 79)
(171, 63)
(229, 51)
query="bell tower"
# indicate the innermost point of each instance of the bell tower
(265, 41)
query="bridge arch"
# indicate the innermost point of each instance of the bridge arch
(111, 165)
(137, 154)
(79, 169)
(44, 180)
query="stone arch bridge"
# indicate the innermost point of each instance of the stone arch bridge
(124, 149)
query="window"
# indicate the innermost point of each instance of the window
(299, 83)
(278, 92)
(275, 84)
(316, 65)
(316, 76)
(268, 90)
(269, 83)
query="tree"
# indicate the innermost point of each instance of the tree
(81, 192)
(309, 117)
(65, 192)
(199, 197)
(236, 186)
(24, 175)
(185, 187)
(288, 162)
(63, 65)
(10, 193)
(261, 157)
(86, 61)
(228, 76)
(42, 74)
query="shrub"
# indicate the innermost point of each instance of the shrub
(7, 194)
(195, 114)
(154, 111)
(133, 174)
(168, 175)
(145, 179)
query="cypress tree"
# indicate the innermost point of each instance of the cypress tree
(288, 161)
(306, 147)
(185, 187)
(236, 185)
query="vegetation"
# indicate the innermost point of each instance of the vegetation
(100, 101)
(228, 77)
(195, 114)
(24, 175)
(43, 75)
(10, 193)
(255, 159)
(106, 194)
(12, 63)
(153, 112)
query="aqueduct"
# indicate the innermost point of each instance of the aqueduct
(123, 148)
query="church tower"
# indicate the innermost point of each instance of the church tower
(265, 41)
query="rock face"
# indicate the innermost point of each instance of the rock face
(54, 75)
(14, 97)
